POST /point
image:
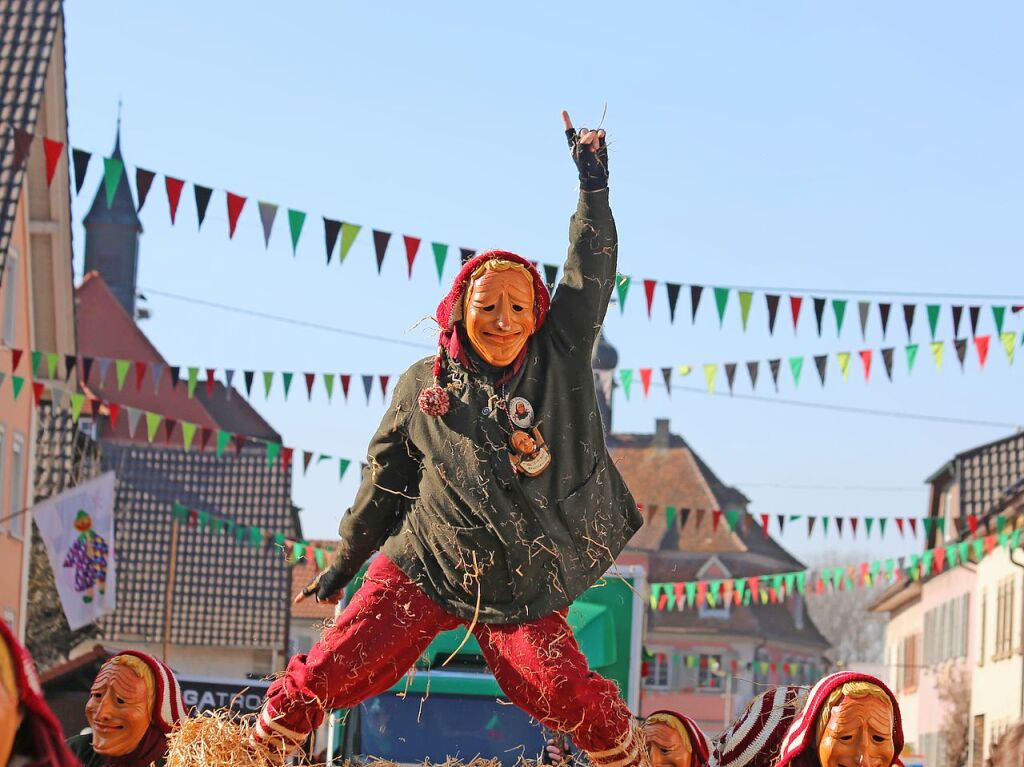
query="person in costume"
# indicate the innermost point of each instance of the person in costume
(755, 737)
(476, 524)
(30, 735)
(133, 704)
(673, 740)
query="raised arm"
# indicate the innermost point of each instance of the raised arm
(588, 276)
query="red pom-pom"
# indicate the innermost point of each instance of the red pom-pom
(434, 401)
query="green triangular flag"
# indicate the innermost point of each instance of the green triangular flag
(329, 385)
(296, 218)
(951, 556)
(963, 547)
(933, 318)
(979, 549)
(193, 379)
(348, 236)
(223, 438)
(929, 523)
(287, 380)
(113, 168)
(732, 517)
(670, 593)
(801, 582)
(844, 364)
(37, 357)
(188, 432)
(16, 383)
(824, 525)
(152, 423)
(710, 370)
(626, 378)
(998, 314)
(670, 517)
(342, 466)
(911, 356)
(179, 513)
(691, 592)
(868, 524)
(318, 556)
(937, 347)
(622, 288)
(77, 400)
(721, 299)
(881, 526)
(273, 450)
(121, 367)
(268, 381)
(745, 298)
(839, 308)
(255, 536)
(655, 594)
(440, 254)
(796, 364)
(52, 359)
(1009, 339)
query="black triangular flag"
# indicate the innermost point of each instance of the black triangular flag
(961, 350)
(380, 246)
(367, 386)
(773, 310)
(86, 369)
(752, 368)
(781, 519)
(143, 181)
(666, 373)
(908, 317)
(820, 362)
(887, 359)
(730, 374)
(958, 312)
(551, 276)
(672, 288)
(975, 311)
(862, 309)
(695, 293)
(819, 312)
(175, 375)
(839, 526)
(465, 254)
(22, 146)
(331, 230)
(883, 313)
(81, 159)
(684, 517)
(247, 375)
(70, 360)
(202, 201)
(774, 366)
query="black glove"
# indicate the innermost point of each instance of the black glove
(326, 585)
(593, 166)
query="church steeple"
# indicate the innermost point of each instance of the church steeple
(112, 236)
(603, 361)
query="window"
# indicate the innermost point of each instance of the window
(908, 663)
(710, 676)
(978, 753)
(10, 289)
(658, 672)
(945, 631)
(1004, 618)
(982, 627)
(18, 502)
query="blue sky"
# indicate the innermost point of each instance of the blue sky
(868, 147)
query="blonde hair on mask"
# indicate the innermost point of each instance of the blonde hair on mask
(8, 678)
(848, 690)
(141, 668)
(496, 265)
(672, 721)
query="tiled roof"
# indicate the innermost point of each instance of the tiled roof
(27, 31)
(987, 471)
(303, 573)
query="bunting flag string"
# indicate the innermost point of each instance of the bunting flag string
(249, 535)
(796, 672)
(774, 588)
(114, 170)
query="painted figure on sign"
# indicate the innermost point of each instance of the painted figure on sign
(478, 518)
(88, 555)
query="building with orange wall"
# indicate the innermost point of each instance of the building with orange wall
(36, 291)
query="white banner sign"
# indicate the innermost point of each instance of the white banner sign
(77, 527)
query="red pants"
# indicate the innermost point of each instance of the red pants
(388, 625)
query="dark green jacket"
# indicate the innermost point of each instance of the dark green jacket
(440, 490)
(81, 747)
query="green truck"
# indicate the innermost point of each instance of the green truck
(460, 711)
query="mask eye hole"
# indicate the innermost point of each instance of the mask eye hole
(517, 307)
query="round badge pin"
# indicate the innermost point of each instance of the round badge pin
(520, 412)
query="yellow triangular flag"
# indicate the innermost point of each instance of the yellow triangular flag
(685, 370)
(710, 370)
(937, 347)
(1009, 342)
(844, 364)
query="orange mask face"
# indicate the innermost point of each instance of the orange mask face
(667, 747)
(858, 734)
(119, 710)
(499, 315)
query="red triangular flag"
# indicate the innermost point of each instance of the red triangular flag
(384, 386)
(990, 543)
(972, 523)
(899, 524)
(174, 187)
(346, 379)
(37, 392)
(16, 358)
(306, 458)
(645, 380)
(865, 358)
(169, 424)
(940, 559)
(114, 410)
(286, 457)
(140, 374)
(764, 524)
(204, 437)
(310, 378)
(981, 344)
(795, 302)
(913, 525)
(210, 380)
(649, 286)
(53, 150)
(412, 246)
(853, 525)
(235, 204)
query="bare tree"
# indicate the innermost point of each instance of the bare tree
(954, 688)
(856, 635)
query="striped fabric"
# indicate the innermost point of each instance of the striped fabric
(171, 707)
(803, 729)
(274, 735)
(755, 738)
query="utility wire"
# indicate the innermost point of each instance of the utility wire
(1018, 298)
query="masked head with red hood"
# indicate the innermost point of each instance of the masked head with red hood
(29, 732)
(133, 704)
(674, 740)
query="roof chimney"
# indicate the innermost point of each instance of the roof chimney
(661, 433)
